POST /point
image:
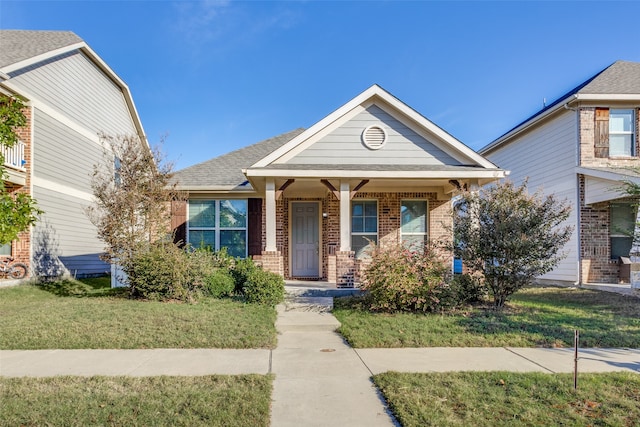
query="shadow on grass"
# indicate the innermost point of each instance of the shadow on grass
(83, 288)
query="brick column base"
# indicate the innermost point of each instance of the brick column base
(272, 261)
(345, 269)
(331, 269)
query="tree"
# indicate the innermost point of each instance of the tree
(509, 236)
(18, 211)
(133, 194)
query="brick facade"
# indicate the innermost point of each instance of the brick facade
(596, 265)
(21, 248)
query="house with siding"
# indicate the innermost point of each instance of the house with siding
(580, 148)
(71, 95)
(307, 203)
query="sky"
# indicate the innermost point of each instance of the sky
(208, 77)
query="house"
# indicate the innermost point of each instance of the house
(307, 203)
(580, 148)
(71, 96)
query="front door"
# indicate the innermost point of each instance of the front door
(305, 246)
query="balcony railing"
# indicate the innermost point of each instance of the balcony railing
(14, 156)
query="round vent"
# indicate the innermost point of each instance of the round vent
(374, 137)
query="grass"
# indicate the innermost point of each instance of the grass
(535, 317)
(88, 314)
(218, 400)
(506, 399)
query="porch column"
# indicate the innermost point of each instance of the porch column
(345, 257)
(634, 255)
(270, 210)
(345, 217)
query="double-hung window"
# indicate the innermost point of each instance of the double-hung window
(5, 250)
(621, 133)
(364, 225)
(216, 224)
(413, 228)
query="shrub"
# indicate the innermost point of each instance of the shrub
(241, 271)
(468, 288)
(160, 272)
(220, 283)
(398, 279)
(264, 287)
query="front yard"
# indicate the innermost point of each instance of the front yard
(507, 399)
(91, 316)
(535, 317)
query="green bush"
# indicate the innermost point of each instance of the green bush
(241, 271)
(468, 288)
(220, 283)
(398, 279)
(160, 272)
(264, 287)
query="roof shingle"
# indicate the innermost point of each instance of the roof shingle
(18, 45)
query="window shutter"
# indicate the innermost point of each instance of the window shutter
(602, 132)
(179, 221)
(254, 227)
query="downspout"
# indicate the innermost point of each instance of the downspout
(578, 282)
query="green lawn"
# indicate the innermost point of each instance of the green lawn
(507, 399)
(90, 315)
(536, 317)
(242, 400)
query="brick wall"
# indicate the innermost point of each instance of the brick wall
(21, 248)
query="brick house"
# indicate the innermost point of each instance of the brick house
(305, 204)
(581, 147)
(71, 95)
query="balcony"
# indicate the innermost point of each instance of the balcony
(14, 163)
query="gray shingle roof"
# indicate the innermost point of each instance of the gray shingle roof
(226, 170)
(622, 77)
(18, 45)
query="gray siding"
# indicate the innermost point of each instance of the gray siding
(67, 233)
(77, 88)
(62, 155)
(547, 155)
(344, 145)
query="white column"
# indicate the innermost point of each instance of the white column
(345, 216)
(270, 205)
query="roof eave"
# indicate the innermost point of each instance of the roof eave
(323, 173)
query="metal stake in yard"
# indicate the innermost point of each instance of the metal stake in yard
(576, 338)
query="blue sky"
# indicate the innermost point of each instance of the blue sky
(214, 76)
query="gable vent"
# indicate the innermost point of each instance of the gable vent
(374, 137)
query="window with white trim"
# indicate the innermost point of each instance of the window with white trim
(413, 227)
(364, 225)
(216, 224)
(621, 133)
(5, 250)
(622, 217)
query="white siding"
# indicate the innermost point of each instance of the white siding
(77, 88)
(547, 155)
(601, 190)
(344, 145)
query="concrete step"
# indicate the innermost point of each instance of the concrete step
(313, 316)
(314, 304)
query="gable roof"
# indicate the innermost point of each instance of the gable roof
(20, 45)
(618, 81)
(225, 172)
(20, 49)
(374, 95)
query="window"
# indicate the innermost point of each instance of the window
(117, 167)
(413, 229)
(217, 224)
(364, 226)
(5, 250)
(621, 130)
(623, 219)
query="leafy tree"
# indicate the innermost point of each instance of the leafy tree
(18, 211)
(510, 236)
(131, 186)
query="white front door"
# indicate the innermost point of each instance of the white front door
(305, 244)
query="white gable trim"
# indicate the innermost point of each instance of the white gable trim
(367, 98)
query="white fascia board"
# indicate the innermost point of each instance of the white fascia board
(43, 56)
(526, 125)
(607, 175)
(608, 97)
(216, 188)
(318, 126)
(497, 174)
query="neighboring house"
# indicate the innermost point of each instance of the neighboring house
(71, 95)
(305, 204)
(580, 148)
